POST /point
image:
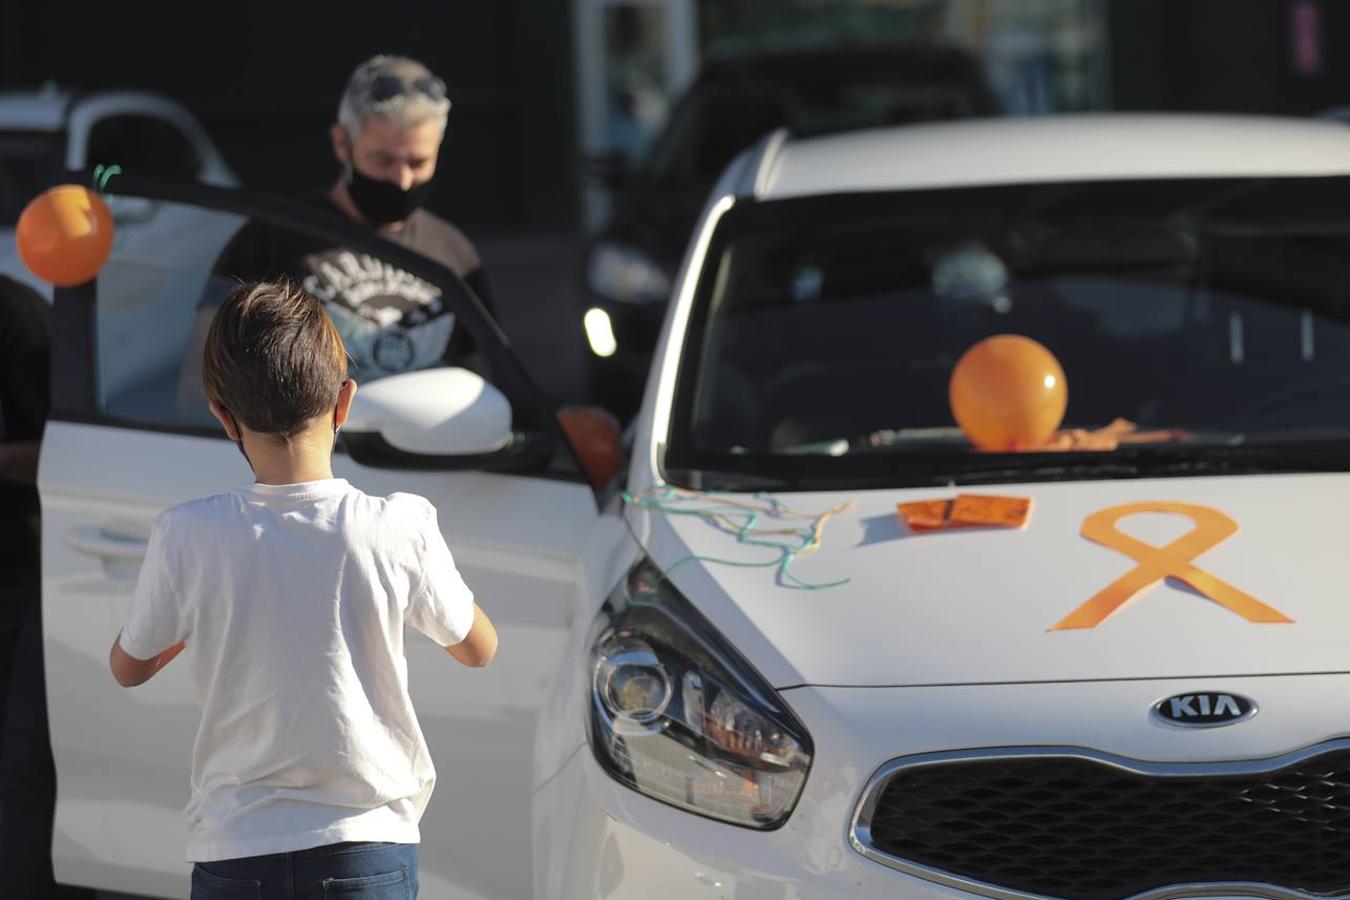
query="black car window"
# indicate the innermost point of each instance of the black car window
(29, 163)
(142, 144)
(130, 356)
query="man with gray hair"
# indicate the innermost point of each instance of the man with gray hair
(391, 120)
(390, 124)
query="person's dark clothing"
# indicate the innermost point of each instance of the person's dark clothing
(27, 774)
(391, 321)
(25, 339)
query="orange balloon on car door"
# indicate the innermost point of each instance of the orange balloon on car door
(65, 235)
(1008, 393)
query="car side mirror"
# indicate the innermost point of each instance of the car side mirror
(446, 418)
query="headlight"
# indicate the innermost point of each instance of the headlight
(677, 714)
(626, 274)
(599, 332)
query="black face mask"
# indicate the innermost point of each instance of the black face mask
(239, 441)
(383, 202)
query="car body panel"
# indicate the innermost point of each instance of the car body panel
(44, 109)
(627, 845)
(978, 605)
(1074, 147)
(123, 755)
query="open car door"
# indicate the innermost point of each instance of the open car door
(122, 445)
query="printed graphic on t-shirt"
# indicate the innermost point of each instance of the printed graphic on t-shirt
(391, 320)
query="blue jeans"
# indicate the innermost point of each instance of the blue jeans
(350, 871)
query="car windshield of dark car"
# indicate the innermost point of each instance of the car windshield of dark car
(718, 121)
(1194, 321)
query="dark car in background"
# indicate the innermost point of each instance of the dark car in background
(630, 265)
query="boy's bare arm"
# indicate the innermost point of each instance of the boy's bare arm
(130, 671)
(480, 644)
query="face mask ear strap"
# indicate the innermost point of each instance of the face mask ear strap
(336, 426)
(239, 441)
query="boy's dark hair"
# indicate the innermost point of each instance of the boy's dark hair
(273, 357)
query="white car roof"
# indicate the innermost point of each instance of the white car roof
(1079, 147)
(34, 110)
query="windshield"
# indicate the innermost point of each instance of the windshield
(720, 118)
(1200, 326)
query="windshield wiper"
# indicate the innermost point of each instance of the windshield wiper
(1159, 462)
(934, 468)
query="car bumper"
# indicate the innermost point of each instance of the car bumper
(596, 838)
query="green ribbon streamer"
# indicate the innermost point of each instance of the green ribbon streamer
(102, 174)
(665, 500)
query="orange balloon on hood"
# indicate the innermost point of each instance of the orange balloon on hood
(1008, 393)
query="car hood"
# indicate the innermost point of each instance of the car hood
(980, 606)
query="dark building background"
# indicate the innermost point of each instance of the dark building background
(264, 77)
(1245, 56)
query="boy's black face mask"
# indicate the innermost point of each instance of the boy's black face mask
(239, 441)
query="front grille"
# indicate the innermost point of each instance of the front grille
(1087, 829)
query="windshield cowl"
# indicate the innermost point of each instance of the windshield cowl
(937, 470)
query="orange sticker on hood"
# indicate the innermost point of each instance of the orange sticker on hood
(983, 509)
(1171, 560)
(966, 511)
(925, 514)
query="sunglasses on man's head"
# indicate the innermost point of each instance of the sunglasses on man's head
(387, 87)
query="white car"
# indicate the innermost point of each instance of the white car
(687, 701)
(50, 130)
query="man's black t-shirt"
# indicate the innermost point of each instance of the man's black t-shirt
(390, 320)
(25, 342)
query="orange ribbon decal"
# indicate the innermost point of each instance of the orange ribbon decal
(1156, 563)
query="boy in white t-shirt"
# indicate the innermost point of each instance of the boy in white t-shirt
(309, 772)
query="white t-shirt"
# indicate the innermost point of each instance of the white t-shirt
(293, 600)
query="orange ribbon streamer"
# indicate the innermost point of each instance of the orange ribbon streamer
(1156, 563)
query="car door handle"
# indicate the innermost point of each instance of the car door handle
(92, 540)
